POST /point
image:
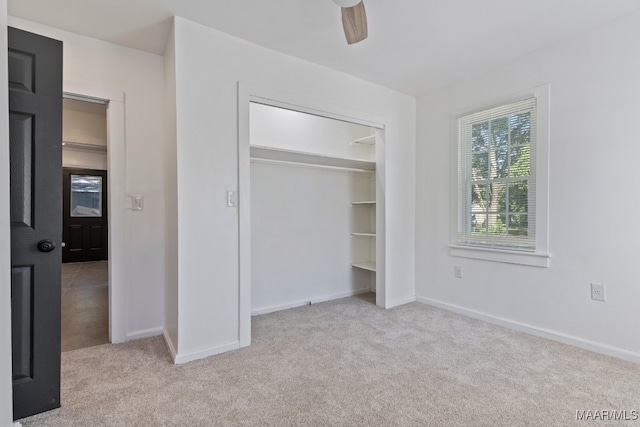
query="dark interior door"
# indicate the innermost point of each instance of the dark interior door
(84, 214)
(35, 127)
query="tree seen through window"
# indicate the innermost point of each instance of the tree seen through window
(500, 172)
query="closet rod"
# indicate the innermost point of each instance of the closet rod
(310, 165)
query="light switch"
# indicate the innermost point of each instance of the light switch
(232, 199)
(137, 203)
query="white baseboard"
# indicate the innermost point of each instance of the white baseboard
(179, 359)
(167, 340)
(539, 332)
(272, 309)
(401, 302)
(146, 333)
(201, 354)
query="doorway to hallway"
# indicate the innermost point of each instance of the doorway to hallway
(85, 268)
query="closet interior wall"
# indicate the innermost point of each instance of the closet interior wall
(306, 230)
(84, 139)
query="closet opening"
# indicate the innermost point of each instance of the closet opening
(316, 209)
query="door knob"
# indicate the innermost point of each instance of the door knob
(46, 245)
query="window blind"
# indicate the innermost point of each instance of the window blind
(497, 180)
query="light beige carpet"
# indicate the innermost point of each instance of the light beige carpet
(349, 363)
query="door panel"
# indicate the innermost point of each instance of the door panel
(35, 138)
(96, 240)
(20, 126)
(84, 215)
(21, 70)
(74, 242)
(21, 317)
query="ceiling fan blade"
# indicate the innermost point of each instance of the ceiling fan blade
(354, 21)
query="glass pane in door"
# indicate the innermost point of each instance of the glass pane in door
(86, 196)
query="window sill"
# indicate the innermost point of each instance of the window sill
(533, 259)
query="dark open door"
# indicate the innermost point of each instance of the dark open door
(84, 215)
(35, 126)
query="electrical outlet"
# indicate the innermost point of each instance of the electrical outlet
(457, 271)
(598, 292)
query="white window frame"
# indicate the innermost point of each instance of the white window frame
(540, 256)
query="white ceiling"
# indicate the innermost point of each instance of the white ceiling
(414, 46)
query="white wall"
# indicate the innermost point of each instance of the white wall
(292, 130)
(87, 128)
(595, 81)
(111, 68)
(207, 166)
(84, 127)
(301, 246)
(6, 395)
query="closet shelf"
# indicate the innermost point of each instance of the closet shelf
(364, 234)
(368, 140)
(84, 146)
(365, 265)
(366, 202)
(291, 156)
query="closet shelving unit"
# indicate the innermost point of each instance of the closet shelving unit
(370, 263)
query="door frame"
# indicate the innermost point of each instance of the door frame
(6, 399)
(116, 189)
(250, 92)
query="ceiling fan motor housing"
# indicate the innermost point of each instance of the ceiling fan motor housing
(346, 3)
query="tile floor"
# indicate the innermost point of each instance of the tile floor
(85, 304)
